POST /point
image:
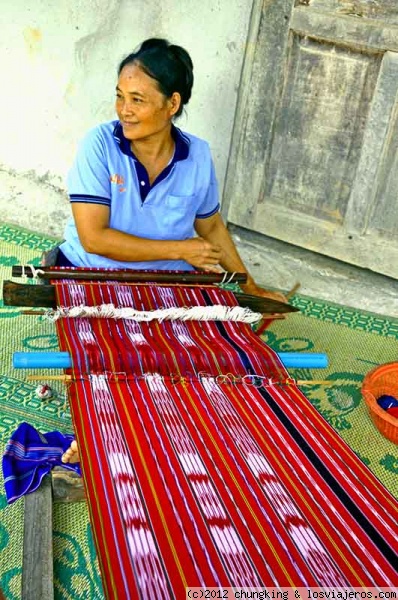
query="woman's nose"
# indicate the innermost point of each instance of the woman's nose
(127, 109)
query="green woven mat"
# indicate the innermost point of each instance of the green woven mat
(355, 342)
(75, 565)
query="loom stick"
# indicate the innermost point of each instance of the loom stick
(264, 305)
(17, 294)
(264, 323)
(22, 294)
(127, 275)
(67, 378)
(64, 378)
(37, 565)
(305, 382)
(62, 360)
(294, 289)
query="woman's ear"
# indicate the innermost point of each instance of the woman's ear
(175, 103)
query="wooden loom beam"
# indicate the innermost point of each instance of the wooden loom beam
(127, 275)
(37, 569)
(61, 485)
(22, 294)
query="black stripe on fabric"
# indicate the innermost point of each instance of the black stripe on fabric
(334, 485)
(77, 196)
(220, 326)
(209, 214)
(87, 200)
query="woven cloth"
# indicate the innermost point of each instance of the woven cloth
(29, 456)
(355, 342)
(194, 443)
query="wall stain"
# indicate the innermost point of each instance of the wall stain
(33, 40)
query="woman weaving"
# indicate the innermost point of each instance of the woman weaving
(140, 188)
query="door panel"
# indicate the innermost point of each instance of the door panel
(314, 151)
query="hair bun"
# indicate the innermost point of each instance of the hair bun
(170, 65)
(153, 43)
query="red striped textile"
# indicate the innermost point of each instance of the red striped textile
(198, 473)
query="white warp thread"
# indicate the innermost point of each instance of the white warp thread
(225, 279)
(195, 313)
(35, 272)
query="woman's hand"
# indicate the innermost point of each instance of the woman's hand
(201, 254)
(252, 288)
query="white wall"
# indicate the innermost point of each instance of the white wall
(59, 61)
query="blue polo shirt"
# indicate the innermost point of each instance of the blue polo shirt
(107, 172)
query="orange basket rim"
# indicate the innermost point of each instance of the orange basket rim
(369, 396)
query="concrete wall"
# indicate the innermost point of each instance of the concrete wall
(59, 61)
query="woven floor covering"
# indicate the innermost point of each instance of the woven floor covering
(354, 342)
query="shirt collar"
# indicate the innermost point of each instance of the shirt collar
(181, 143)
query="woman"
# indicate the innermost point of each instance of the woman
(140, 188)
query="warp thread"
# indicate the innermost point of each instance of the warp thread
(194, 313)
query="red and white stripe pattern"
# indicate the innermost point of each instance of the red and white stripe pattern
(196, 480)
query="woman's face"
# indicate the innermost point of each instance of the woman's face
(142, 109)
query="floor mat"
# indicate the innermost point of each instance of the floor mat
(355, 342)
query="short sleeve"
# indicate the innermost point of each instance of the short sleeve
(88, 180)
(211, 202)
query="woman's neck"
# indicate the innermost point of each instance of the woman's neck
(159, 147)
(154, 153)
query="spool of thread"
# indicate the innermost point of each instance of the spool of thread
(44, 391)
(389, 404)
(393, 411)
(62, 360)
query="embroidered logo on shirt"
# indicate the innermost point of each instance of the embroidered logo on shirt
(118, 180)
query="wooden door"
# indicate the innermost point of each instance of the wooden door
(314, 152)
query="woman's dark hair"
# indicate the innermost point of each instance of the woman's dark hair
(170, 65)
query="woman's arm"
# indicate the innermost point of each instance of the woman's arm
(92, 223)
(215, 232)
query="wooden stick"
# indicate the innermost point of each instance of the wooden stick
(66, 378)
(263, 325)
(22, 294)
(314, 382)
(128, 275)
(49, 377)
(293, 290)
(37, 562)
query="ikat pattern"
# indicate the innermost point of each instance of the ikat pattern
(200, 471)
(355, 342)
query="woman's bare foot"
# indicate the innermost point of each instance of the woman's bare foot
(72, 454)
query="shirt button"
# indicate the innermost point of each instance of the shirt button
(142, 182)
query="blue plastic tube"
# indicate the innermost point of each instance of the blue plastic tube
(41, 360)
(303, 360)
(62, 360)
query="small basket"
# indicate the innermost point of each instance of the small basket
(380, 381)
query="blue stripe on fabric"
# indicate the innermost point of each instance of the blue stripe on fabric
(87, 199)
(209, 214)
(29, 456)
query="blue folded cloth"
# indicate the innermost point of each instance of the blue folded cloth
(29, 456)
